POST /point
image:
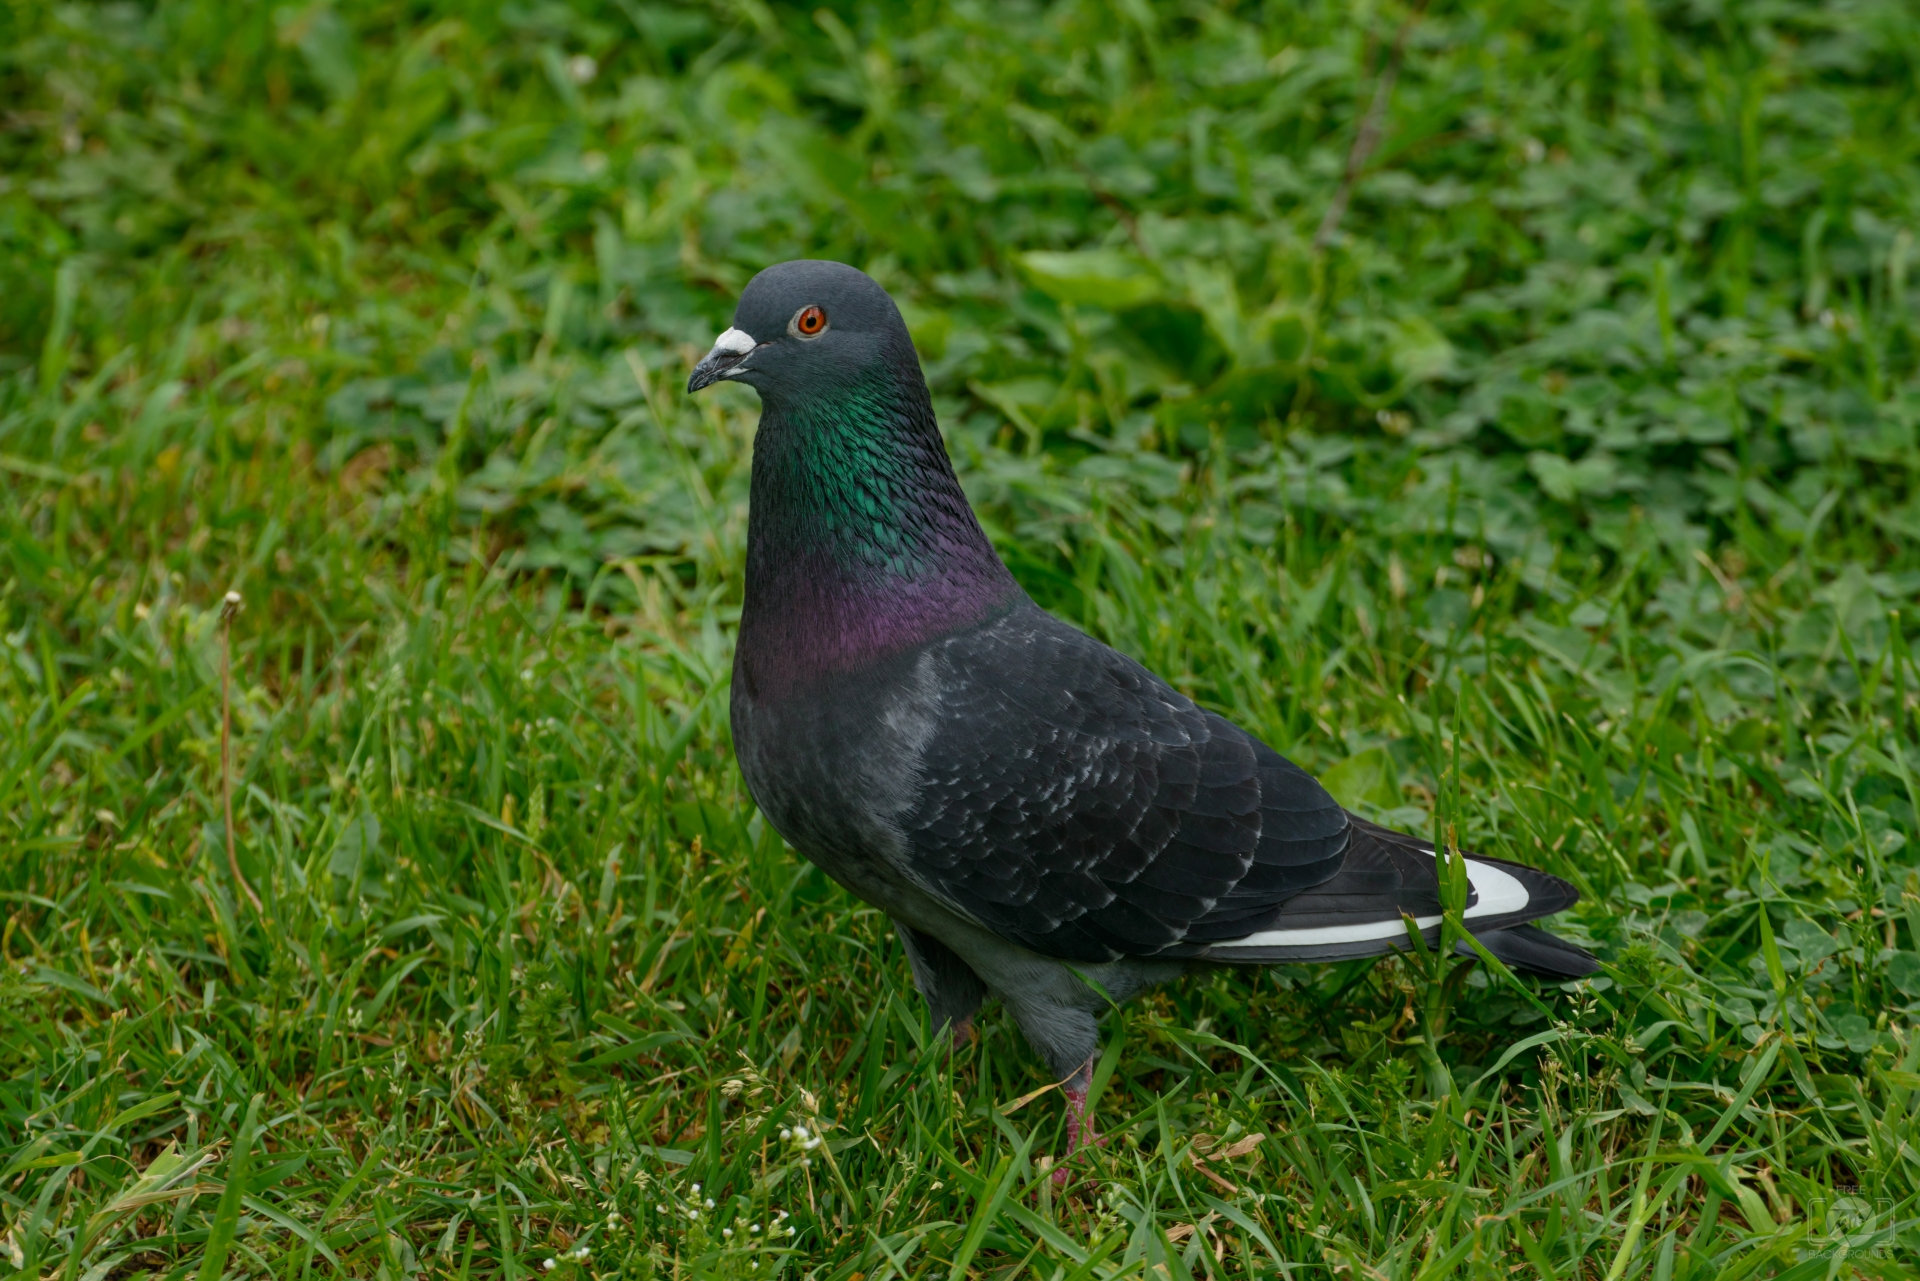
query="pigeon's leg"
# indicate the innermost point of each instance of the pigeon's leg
(1068, 1038)
(1080, 1133)
(952, 990)
(1079, 1121)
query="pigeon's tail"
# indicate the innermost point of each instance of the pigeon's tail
(1530, 948)
(1388, 878)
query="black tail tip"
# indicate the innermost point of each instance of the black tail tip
(1532, 949)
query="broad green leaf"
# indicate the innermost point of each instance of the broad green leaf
(1418, 351)
(1904, 972)
(1365, 777)
(1092, 277)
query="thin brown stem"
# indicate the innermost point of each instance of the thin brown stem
(1364, 141)
(1371, 126)
(1120, 211)
(228, 608)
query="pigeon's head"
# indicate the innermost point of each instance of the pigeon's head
(807, 327)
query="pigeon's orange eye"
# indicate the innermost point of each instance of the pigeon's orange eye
(810, 322)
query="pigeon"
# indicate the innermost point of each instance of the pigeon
(1043, 819)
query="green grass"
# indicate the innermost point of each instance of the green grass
(1559, 493)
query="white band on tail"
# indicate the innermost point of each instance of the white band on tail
(1500, 892)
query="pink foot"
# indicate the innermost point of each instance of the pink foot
(1079, 1124)
(1080, 1132)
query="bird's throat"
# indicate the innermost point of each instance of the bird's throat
(860, 543)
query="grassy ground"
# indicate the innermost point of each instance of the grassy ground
(1507, 409)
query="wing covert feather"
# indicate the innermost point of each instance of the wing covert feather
(1073, 802)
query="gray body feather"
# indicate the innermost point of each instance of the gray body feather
(839, 774)
(986, 791)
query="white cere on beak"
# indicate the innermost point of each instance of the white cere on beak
(727, 359)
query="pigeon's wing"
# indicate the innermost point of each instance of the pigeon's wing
(1073, 802)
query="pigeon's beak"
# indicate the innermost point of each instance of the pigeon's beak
(729, 354)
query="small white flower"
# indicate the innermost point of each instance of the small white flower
(800, 1133)
(581, 68)
(753, 1227)
(709, 1203)
(659, 1209)
(785, 1135)
(696, 1189)
(790, 1229)
(551, 1264)
(693, 1214)
(726, 1232)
